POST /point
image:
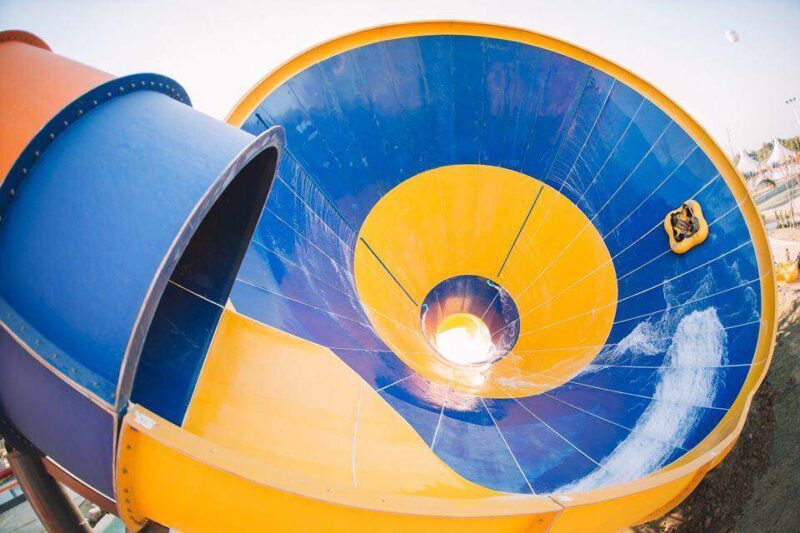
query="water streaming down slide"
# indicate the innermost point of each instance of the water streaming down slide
(459, 181)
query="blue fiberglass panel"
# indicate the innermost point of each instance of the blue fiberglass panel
(303, 320)
(544, 454)
(617, 117)
(469, 438)
(589, 111)
(362, 122)
(732, 269)
(592, 435)
(466, 98)
(688, 177)
(404, 71)
(614, 408)
(503, 89)
(438, 102)
(284, 241)
(296, 214)
(267, 270)
(174, 351)
(668, 154)
(646, 128)
(415, 399)
(45, 409)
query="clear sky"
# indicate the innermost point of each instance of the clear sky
(218, 49)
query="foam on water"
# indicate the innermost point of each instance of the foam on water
(686, 384)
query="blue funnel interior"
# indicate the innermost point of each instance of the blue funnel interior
(187, 314)
(685, 330)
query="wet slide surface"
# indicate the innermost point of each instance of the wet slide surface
(443, 300)
(416, 160)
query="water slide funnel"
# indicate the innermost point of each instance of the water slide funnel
(465, 302)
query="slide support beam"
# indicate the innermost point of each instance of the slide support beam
(49, 500)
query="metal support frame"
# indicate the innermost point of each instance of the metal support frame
(50, 502)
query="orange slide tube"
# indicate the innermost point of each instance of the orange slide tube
(37, 98)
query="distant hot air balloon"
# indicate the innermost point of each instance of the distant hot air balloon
(732, 36)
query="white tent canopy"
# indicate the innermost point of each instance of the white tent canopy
(779, 153)
(746, 164)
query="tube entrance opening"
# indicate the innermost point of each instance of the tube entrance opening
(470, 320)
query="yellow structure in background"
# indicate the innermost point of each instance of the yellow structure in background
(787, 271)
